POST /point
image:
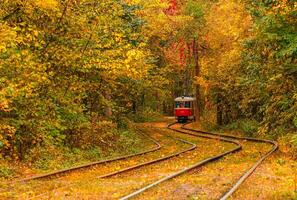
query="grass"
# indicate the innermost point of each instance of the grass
(276, 178)
(6, 172)
(145, 116)
(54, 157)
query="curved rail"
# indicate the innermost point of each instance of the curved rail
(222, 137)
(187, 169)
(192, 147)
(63, 171)
(249, 171)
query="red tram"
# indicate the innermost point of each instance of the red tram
(184, 108)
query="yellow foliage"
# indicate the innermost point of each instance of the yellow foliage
(228, 24)
(47, 4)
(7, 37)
(6, 136)
(202, 82)
(157, 22)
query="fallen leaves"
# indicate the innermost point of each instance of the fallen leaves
(208, 182)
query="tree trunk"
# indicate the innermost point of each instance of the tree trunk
(108, 110)
(134, 106)
(219, 110)
(158, 102)
(197, 73)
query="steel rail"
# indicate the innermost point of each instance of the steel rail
(192, 147)
(187, 169)
(67, 170)
(250, 170)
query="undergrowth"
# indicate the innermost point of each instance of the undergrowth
(147, 115)
(250, 128)
(121, 140)
(127, 141)
(245, 126)
(6, 171)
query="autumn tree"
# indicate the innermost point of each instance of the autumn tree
(269, 66)
(249, 70)
(227, 26)
(60, 65)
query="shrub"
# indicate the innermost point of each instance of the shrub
(294, 145)
(123, 123)
(146, 115)
(249, 127)
(6, 172)
(99, 133)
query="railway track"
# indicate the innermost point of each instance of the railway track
(130, 168)
(238, 147)
(192, 147)
(158, 147)
(250, 170)
(223, 137)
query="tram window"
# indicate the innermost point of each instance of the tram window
(180, 104)
(187, 104)
(177, 104)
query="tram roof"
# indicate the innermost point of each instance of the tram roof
(184, 99)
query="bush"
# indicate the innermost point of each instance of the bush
(128, 141)
(104, 141)
(123, 123)
(249, 127)
(42, 156)
(146, 115)
(293, 143)
(6, 172)
(99, 133)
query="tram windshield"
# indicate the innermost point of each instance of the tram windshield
(183, 104)
(187, 104)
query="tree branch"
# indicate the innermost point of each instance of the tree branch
(11, 14)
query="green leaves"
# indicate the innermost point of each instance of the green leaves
(195, 10)
(272, 53)
(60, 62)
